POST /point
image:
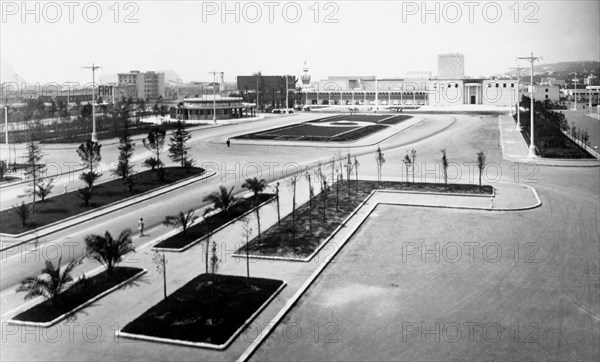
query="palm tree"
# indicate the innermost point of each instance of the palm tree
(256, 186)
(50, 283)
(222, 199)
(108, 251)
(183, 220)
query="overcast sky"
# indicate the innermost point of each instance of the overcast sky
(383, 38)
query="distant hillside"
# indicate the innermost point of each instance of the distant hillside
(563, 69)
(7, 73)
(569, 67)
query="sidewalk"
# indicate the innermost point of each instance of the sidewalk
(515, 149)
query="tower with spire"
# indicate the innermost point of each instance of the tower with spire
(305, 77)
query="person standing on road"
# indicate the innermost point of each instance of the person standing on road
(228, 142)
(141, 226)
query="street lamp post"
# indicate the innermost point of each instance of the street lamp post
(518, 128)
(532, 153)
(6, 133)
(93, 68)
(287, 103)
(257, 76)
(5, 125)
(575, 93)
(214, 73)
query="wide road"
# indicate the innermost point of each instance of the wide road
(232, 165)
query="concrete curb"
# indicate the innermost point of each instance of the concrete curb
(78, 308)
(103, 210)
(220, 347)
(212, 233)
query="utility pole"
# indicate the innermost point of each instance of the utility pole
(519, 128)
(257, 76)
(286, 94)
(532, 153)
(6, 134)
(376, 96)
(94, 67)
(575, 93)
(214, 73)
(6, 125)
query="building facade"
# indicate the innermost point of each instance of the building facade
(268, 90)
(451, 66)
(148, 85)
(204, 108)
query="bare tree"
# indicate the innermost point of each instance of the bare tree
(311, 192)
(161, 267)
(413, 153)
(445, 168)
(278, 206)
(293, 181)
(349, 166)
(356, 164)
(380, 161)
(406, 160)
(480, 165)
(246, 232)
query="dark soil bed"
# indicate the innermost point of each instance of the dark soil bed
(280, 242)
(215, 221)
(205, 310)
(80, 292)
(66, 205)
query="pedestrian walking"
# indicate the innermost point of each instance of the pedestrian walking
(228, 142)
(141, 226)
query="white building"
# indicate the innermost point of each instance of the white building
(149, 85)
